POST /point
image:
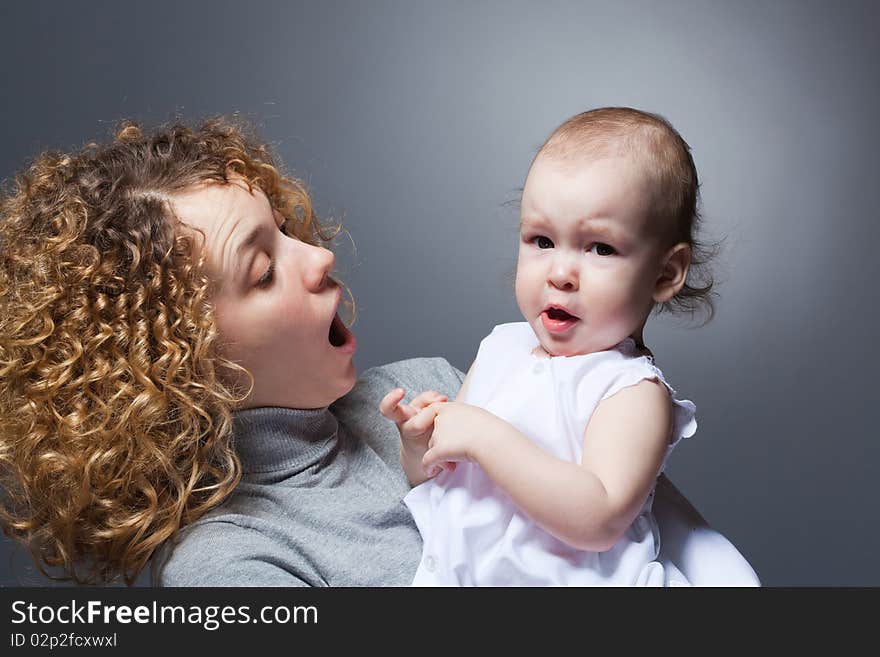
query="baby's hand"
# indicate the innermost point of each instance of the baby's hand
(459, 430)
(415, 420)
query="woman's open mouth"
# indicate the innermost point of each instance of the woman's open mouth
(340, 337)
(558, 320)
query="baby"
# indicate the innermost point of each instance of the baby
(542, 471)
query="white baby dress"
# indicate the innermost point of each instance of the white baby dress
(474, 535)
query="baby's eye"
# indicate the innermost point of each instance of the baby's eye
(602, 249)
(542, 242)
(266, 279)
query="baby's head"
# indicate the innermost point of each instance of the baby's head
(115, 404)
(608, 220)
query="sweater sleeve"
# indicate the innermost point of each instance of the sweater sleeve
(239, 556)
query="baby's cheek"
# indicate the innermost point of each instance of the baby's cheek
(615, 307)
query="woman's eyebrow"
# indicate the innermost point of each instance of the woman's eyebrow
(248, 241)
(244, 246)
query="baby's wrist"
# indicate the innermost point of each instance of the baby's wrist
(412, 448)
(412, 466)
(483, 447)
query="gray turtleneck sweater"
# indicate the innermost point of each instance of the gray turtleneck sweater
(320, 502)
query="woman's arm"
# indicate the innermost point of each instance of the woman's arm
(225, 554)
(588, 505)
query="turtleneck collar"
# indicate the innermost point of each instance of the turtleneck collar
(269, 439)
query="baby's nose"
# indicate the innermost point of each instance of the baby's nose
(564, 275)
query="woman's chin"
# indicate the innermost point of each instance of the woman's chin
(334, 386)
(351, 379)
(299, 395)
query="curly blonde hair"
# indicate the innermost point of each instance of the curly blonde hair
(115, 417)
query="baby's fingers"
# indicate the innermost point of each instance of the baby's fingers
(425, 398)
(433, 465)
(391, 408)
(419, 423)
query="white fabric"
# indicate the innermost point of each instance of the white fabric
(473, 533)
(688, 544)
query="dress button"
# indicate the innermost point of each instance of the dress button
(430, 563)
(538, 368)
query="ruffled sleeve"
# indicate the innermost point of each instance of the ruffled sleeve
(628, 366)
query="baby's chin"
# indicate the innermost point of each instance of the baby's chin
(556, 351)
(559, 348)
(571, 346)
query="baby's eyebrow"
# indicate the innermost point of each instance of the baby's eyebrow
(601, 226)
(532, 222)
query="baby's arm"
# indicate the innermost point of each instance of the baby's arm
(464, 386)
(587, 505)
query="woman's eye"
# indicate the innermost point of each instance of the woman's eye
(603, 249)
(543, 242)
(266, 278)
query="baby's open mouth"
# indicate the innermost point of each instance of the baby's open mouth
(558, 314)
(558, 321)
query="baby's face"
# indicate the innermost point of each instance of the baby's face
(589, 257)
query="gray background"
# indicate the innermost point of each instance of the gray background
(418, 121)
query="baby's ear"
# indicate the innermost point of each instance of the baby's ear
(675, 270)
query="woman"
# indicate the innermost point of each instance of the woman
(175, 380)
(319, 502)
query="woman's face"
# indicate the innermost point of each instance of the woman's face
(275, 302)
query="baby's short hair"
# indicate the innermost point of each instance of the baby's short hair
(665, 158)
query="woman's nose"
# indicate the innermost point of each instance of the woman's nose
(318, 266)
(564, 274)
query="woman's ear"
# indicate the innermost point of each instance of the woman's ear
(675, 270)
